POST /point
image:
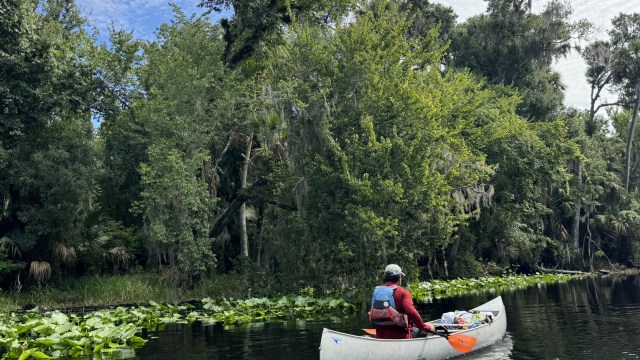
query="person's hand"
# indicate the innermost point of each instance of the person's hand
(430, 328)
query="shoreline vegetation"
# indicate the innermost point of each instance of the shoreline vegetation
(295, 150)
(303, 154)
(91, 293)
(108, 329)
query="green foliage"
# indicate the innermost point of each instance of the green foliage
(116, 332)
(63, 175)
(426, 16)
(510, 45)
(307, 144)
(625, 40)
(122, 139)
(135, 287)
(9, 267)
(448, 288)
(175, 208)
(381, 139)
(56, 334)
(299, 307)
(256, 23)
(174, 201)
(47, 178)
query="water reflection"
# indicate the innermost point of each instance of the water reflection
(595, 318)
(501, 350)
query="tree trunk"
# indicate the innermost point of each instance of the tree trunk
(575, 229)
(455, 247)
(244, 237)
(445, 265)
(558, 271)
(589, 239)
(592, 113)
(259, 227)
(632, 130)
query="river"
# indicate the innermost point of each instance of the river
(594, 318)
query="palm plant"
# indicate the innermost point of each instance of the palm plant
(40, 271)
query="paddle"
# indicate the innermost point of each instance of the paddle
(460, 342)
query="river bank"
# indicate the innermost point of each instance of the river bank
(109, 290)
(89, 324)
(99, 291)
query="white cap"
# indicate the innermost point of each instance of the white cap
(393, 269)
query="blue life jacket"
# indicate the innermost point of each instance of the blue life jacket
(383, 308)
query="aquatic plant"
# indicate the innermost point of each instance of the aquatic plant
(55, 334)
(116, 332)
(299, 307)
(424, 291)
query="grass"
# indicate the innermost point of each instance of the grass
(108, 290)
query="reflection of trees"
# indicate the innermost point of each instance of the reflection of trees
(568, 320)
(625, 290)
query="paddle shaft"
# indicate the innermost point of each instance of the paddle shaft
(444, 335)
(462, 343)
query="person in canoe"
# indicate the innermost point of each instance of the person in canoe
(392, 311)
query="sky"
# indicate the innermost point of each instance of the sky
(144, 16)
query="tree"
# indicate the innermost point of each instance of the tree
(255, 21)
(427, 16)
(182, 74)
(513, 46)
(598, 57)
(380, 140)
(625, 38)
(122, 137)
(48, 164)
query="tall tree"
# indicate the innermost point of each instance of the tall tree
(426, 16)
(182, 73)
(380, 141)
(598, 56)
(255, 21)
(625, 39)
(513, 46)
(123, 138)
(47, 89)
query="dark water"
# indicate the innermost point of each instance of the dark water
(597, 318)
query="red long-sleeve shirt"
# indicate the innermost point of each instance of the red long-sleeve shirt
(404, 305)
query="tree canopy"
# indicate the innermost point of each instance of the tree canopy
(312, 142)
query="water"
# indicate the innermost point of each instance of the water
(596, 318)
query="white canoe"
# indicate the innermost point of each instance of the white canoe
(335, 345)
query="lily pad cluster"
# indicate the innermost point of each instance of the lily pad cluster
(117, 332)
(262, 309)
(55, 334)
(449, 288)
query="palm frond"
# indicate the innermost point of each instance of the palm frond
(119, 254)
(64, 254)
(40, 271)
(10, 247)
(251, 214)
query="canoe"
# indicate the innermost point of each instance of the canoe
(335, 345)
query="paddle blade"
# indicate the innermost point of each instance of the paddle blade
(371, 332)
(462, 343)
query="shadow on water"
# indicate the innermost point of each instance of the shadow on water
(594, 318)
